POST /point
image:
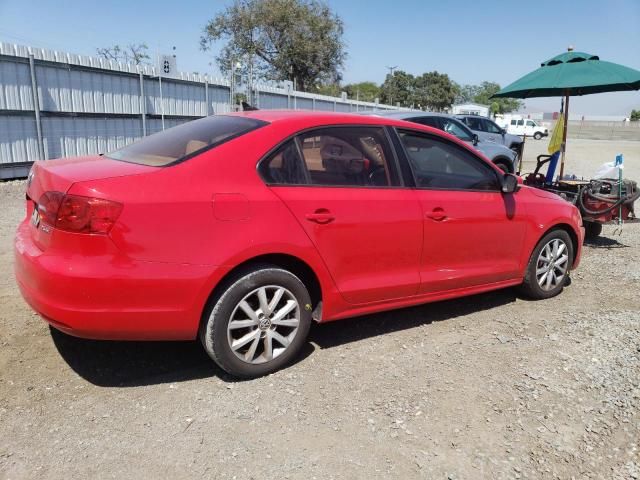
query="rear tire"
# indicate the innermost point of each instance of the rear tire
(258, 323)
(537, 135)
(549, 266)
(592, 230)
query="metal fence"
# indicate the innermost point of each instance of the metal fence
(55, 104)
(600, 130)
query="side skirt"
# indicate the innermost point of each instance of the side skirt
(419, 299)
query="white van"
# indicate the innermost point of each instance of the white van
(518, 125)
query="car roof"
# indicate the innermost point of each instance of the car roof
(273, 116)
(333, 118)
(403, 115)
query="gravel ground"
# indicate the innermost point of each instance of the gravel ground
(491, 386)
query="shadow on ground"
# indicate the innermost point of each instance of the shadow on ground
(604, 242)
(338, 333)
(131, 364)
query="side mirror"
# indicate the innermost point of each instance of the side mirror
(509, 183)
(504, 131)
(476, 139)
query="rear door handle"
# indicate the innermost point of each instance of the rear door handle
(438, 214)
(321, 216)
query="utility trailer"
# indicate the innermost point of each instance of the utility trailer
(600, 201)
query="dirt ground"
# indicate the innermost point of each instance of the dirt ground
(491, 386)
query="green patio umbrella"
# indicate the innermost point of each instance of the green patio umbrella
(572, 73)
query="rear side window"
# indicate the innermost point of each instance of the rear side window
(333, 156)
(285, 166)
(186, 140)
(437, 164)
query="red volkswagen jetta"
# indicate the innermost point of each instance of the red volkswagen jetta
(242, 229)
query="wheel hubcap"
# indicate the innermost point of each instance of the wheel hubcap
(551, 267)
(263, 324)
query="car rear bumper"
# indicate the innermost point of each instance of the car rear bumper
(107, 297)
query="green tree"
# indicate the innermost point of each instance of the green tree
(364, 91)
(398, 88)
(298, 40)
(466, 93)
(136, 53)
(498, 105)
(434, 91)
(635, 115)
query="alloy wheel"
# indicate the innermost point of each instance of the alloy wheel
(551, 267)
(263, 324)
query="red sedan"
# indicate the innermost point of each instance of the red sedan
(242, 229)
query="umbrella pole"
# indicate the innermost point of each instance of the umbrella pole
(564, 135)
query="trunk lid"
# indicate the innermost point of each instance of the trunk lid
(59, 175)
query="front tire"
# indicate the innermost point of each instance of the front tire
(537, 135)
(549, 266)
(258, 323)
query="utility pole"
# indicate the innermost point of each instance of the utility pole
(391, 69)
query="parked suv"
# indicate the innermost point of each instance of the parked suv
(501, 156)
(489, 131)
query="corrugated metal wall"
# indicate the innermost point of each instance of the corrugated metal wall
(89, 105)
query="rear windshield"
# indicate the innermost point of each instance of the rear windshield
(186, 140)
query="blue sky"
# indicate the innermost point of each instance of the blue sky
(472, 41)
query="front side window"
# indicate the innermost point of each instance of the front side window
(530, 123)
(491, 127)
(185, 140)
(333, 156)
(439, 164)
(457, 129)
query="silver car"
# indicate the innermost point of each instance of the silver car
(490, 131)
(501, 156)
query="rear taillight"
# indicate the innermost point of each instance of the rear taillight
(77, 214)
(48, 206)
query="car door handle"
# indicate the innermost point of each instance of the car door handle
(438, 214)
(321, 216)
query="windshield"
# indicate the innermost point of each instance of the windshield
(185, 141)
(456, 128)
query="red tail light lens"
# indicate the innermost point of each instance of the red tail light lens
(77, 214)
(48, 206)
